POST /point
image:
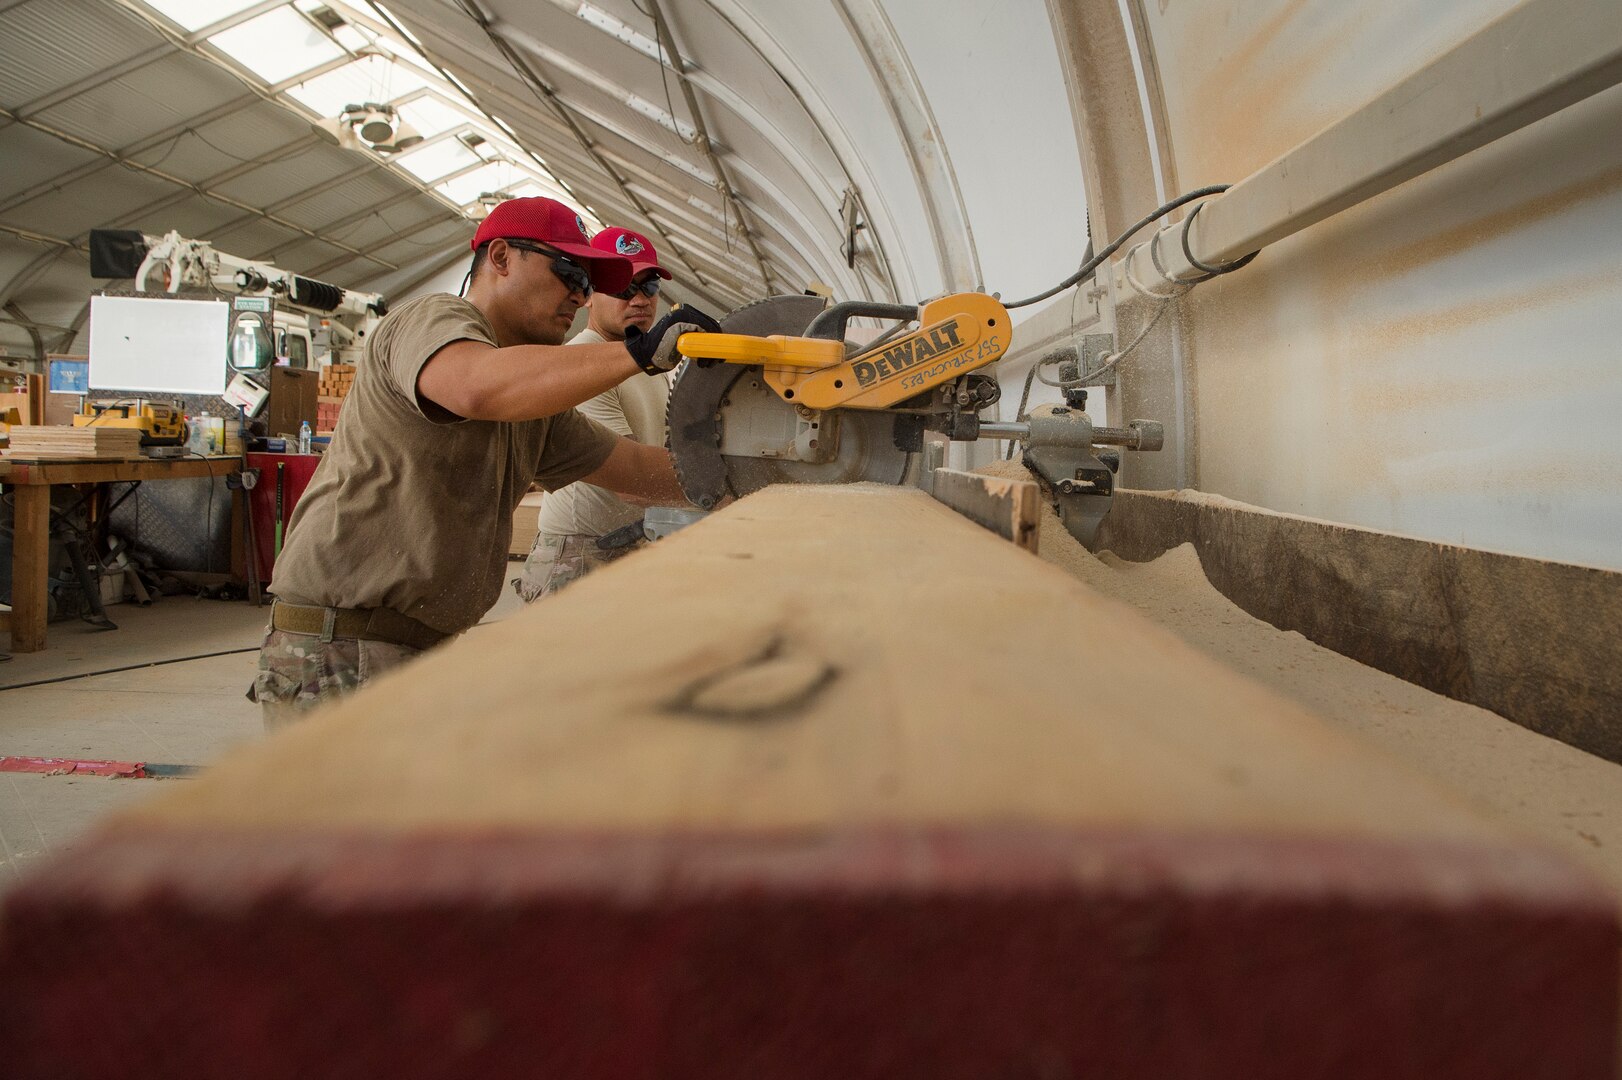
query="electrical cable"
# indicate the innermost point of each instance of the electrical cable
(1114, 361)
(129, 667)
(1090, 266)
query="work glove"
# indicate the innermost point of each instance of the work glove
(655, 350)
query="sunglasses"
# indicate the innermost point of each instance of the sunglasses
(571, 273)
(649, 287)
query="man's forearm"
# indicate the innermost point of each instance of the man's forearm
(522, 382)
(640, 474)
(544, 380)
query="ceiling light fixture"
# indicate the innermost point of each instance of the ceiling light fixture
(377, 126)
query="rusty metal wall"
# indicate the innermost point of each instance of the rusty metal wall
(1441, 361)
(1437, 362)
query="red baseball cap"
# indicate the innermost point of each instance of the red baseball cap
(632, 245)
(557, 226)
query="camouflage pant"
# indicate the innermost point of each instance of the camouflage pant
(555, 561)
(297, 672)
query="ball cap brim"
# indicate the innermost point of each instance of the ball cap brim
(560, 227)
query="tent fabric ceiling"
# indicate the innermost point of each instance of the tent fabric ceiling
(109, 118)
(816, 169)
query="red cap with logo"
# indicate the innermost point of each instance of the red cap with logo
(633, 246)
(549, 222)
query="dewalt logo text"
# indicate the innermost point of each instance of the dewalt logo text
(908, 353)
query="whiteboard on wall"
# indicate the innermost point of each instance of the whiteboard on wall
(158, 346)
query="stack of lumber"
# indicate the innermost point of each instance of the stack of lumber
(336, 381)
(784, 833)
(44, 442)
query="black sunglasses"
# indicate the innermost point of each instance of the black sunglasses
(568, 271)
(649, 287)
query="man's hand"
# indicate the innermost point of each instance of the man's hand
(655, 351)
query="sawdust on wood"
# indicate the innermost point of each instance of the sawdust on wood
(1540, 784)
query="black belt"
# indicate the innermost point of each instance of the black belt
(367, 624)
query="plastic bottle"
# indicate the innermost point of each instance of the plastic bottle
(202, 435)
(304, 437)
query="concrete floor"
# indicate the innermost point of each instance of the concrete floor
(167, 710)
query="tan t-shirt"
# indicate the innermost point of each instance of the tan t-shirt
(411, 507)
(636, 407)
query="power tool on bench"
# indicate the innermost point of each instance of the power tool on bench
(780, 398)
(159, 424)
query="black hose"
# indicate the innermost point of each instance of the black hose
(1090, 266)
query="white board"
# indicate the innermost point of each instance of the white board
(158, 346)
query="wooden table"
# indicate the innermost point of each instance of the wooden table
(31, 482)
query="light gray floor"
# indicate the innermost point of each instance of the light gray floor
(177, 712)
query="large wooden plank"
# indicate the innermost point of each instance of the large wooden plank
(833, 783)
(1532, 640)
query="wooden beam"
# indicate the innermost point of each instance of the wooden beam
(833, 783)
(1009, 508)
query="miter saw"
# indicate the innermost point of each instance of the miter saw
(779, 397)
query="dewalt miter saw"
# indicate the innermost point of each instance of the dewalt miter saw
(780, 398)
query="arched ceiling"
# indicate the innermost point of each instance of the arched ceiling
(766, 147)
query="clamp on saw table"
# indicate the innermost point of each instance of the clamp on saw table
(779, 397)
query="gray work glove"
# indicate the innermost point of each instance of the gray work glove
(655, 351)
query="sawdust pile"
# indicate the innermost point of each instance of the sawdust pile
(1544, 786)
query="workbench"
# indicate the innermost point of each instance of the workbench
(31, 482)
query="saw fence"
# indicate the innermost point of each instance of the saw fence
(834, 783)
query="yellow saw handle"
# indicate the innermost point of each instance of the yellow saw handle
(776, 351)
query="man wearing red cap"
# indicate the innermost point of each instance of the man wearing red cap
(574, 518)
(400, 541)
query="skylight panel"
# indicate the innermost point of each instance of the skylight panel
(196, 14)
(438, 159)
(371, 78)
(467, 187)
(430, 115)
(277, 45)
(351, 37)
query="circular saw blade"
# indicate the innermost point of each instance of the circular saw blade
(702, 397)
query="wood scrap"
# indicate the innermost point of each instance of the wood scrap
(1006, 506)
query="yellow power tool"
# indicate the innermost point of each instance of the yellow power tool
(782, 397)
(159, 425)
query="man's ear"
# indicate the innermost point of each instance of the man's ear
(499, 256)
